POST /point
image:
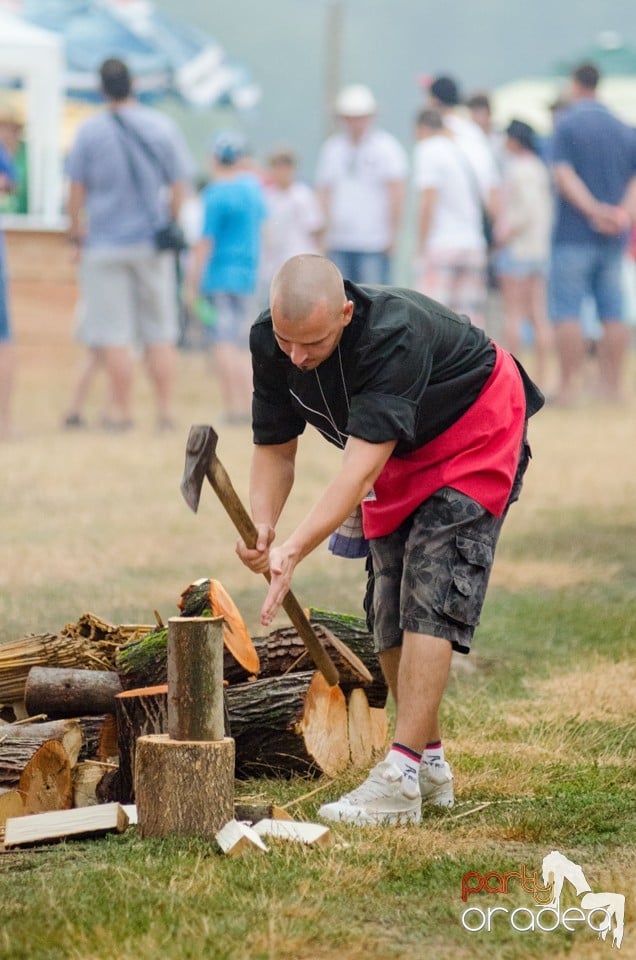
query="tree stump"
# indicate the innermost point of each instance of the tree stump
(195, 678)
(184, 788)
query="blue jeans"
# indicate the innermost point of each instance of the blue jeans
(362, 267)
(578, 270)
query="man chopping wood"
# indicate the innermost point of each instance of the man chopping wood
(431, 416)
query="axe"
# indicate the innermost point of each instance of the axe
(201, 461)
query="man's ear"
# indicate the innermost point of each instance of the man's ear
(347, 313)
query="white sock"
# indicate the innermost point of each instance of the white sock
(433, 754)
(407, 761)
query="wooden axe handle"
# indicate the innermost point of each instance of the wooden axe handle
(220, 481)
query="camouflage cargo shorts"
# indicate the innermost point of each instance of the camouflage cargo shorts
(430, 575)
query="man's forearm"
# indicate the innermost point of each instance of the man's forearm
(362, 463)
(271, 481)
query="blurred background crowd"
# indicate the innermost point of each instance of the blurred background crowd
(513, 203)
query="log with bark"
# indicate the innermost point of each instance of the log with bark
(64, 692)
(21, 740)
(285, 725)
(282, 725)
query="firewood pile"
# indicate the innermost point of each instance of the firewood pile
(73, 704)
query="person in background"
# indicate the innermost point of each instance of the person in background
(451, 254)
(360, 179)
(127, 170)
(594, 170)
(522, 236)
(480, 110)
(224, 266)
(7, 348)
(295, 218)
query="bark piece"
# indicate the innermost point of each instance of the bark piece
(56, 825)
(237, 838)
(184, 788)
(195, 678)
(253, 812)
(64, 692)
(46, 781)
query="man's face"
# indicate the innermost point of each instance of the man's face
(309, 342)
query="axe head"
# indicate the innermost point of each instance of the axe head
(200, 451)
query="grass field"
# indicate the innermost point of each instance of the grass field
(539, 724)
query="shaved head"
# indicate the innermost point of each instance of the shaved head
(303, 283)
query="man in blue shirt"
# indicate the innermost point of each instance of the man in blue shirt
(224, 267)
(594, 165)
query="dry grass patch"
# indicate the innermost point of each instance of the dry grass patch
(599, 690)
(549, 574)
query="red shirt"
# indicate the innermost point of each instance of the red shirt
(477, 455)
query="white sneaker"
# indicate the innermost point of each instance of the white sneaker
(385, 797)
(436, 784)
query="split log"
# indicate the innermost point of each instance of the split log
(18, 742)
(11, 805)
(235, 838)
(354, 633)
(286, 725)
(379, 729)
(195, 678)
(87, 777)
(46, 782)
(299, 831)
(283, 651)
(184, 788)
(205, 598)
(62, 692)
(55, 825)
(139, 714)
(360, 731)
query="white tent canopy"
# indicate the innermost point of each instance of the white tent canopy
(35, 58)
(529, 99)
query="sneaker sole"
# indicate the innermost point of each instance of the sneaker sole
(366, 819)
(439, 797)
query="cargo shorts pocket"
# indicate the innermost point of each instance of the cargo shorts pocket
(461, 594)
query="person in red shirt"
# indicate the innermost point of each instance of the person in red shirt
(431, 416)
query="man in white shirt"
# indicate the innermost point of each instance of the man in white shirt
(360, 179)
(451, 248)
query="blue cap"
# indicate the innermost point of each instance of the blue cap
(228, 146)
